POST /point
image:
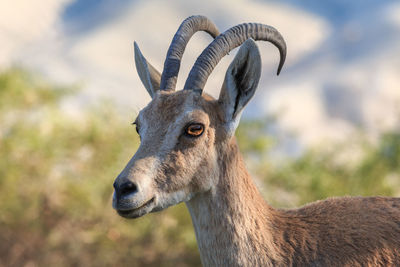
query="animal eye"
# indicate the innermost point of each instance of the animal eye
(194, 129)
(136, 126)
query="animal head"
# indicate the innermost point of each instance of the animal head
(183, 132)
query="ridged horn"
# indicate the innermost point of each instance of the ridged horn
(172, 63)
(227, 41)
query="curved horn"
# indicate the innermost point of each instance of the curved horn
(227, 41)
(172, 63)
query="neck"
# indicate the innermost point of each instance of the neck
(232, 221)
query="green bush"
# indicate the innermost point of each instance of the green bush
(357, 167)
(57, 170)
(56, 175)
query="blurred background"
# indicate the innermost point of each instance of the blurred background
(329, 125)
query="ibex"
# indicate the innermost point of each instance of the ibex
(188, 153)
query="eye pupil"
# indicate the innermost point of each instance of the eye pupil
(195, 129)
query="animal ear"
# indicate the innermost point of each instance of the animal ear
(149, 76)
(241, 80)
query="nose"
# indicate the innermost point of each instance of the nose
(126, 189)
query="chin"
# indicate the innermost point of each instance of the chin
(133, 213)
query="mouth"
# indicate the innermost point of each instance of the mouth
(139, 211)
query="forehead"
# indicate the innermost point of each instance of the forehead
(167, 106)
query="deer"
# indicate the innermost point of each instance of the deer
(188, 153)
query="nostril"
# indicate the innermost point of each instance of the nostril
(128, 188)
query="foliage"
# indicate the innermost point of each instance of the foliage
(57, 170)
(318, 175)
(356, 167)
(56, 175)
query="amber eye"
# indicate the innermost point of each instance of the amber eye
(194, 129)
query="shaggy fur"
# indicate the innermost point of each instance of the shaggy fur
(234, 225)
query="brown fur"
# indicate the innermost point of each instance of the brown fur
(246, 231)
(234, 225)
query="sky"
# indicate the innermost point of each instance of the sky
(341, 72)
